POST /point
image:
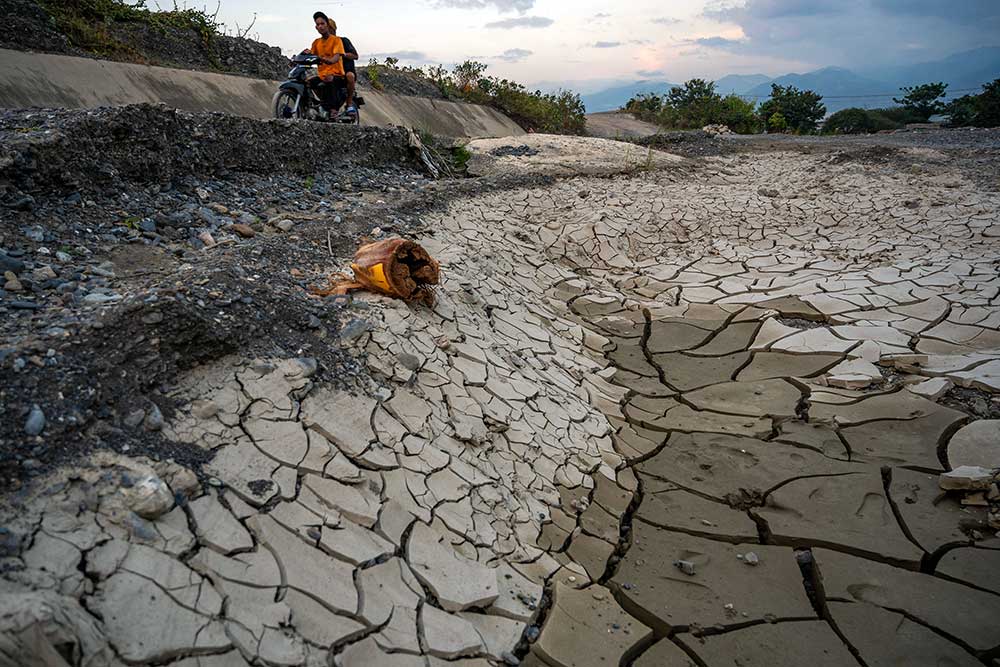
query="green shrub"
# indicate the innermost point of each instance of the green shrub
(85, 22)
(557, 113)
(693, 106)
(800, 109)
(777, 123)
(988, 105)
(858, 121)
(899, 115)
(739, 115)
(982, 110)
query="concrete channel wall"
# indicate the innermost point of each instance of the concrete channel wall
(47, 80)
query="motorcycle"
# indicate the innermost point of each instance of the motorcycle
(298, 98)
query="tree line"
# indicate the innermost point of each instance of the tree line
(697, 103)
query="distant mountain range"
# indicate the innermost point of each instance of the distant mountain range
(841, 88)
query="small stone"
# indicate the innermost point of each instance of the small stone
(104, 269)
(510, 659)
(134, 418)
(246, 231)
(35, 233)
(43, 273)
(966, 478)
(752, 559)
(147, 225)
(284, 225)
(35, 423)
(976, 499)
(150, 497)
(202, 193)
(99, 298)
(685, 566)
(8, 263)
(154, 418)
(409, 361)
(11, 283)
(207, 239)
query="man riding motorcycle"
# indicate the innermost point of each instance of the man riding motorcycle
(332, 55)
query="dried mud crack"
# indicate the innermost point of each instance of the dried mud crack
(664, 411)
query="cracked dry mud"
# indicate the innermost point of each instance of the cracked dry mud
(657, 418)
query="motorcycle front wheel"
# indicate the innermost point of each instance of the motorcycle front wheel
(284, 105)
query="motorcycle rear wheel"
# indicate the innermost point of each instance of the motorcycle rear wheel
(284, 103)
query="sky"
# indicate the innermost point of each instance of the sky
(585, 44)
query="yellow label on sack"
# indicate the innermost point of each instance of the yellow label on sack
(378, 277)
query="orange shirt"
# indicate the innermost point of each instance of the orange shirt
(327, 48)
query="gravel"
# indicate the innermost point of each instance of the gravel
(118, 296)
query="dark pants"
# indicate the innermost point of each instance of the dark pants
(328, 92)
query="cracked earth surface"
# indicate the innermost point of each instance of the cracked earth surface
(664, 417)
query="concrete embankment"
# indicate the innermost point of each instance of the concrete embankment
(46, 80)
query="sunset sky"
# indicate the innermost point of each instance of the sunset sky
(545, 41)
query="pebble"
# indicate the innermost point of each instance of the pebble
(134, 418)
(751, 558)
(243, 230)
(510, 659)
(35, 423)
(35, 233)
(101, 298)
(285, 225)
(105, 270)
(8, 263)
(43, 273)
(685, 566)
(150, 497)
(154, 418)
(12, 284)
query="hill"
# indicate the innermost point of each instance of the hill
(868, 88)
(739, 83)
(615, 97)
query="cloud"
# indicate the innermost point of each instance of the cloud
(963, 10)
(523, 22)
(514, 55)
(519, 6)
(406, 56)
(718, 42)
(862, 34)
(651, 73)
(607, 45)
(665, 20)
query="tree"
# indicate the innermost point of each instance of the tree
(923, 100)
(645, 105)
(467, 74)
(739, 115)
(696, 92)
(800, 109)
(988, 105)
